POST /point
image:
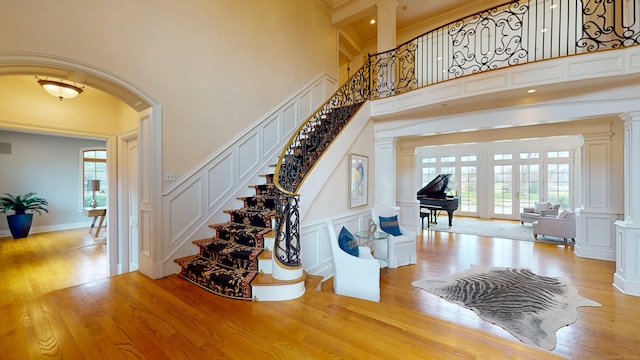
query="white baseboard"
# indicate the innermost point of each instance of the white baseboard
(48, 228)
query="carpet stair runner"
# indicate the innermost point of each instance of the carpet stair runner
(227, 264)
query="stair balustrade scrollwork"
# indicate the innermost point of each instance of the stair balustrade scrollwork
(511, 34)
(304, 149)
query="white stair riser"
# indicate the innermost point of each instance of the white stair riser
(278, 292)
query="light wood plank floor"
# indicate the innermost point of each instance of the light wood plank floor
(132, 317)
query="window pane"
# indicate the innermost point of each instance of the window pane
(502, 189)
(428, 174)
(502, 156)
(468, 188)
(95, 168)
(558, 184)
(447, 159)
(529, 185)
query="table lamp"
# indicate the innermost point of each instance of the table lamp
(94, 185)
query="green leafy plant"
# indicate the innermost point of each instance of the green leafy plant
(20, 204)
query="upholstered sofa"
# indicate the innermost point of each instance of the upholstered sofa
(563, 226)
(545, 208)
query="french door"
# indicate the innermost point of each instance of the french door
(515, 186)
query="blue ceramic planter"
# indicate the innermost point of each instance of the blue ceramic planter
(19, 225)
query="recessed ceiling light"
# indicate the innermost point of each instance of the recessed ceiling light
(439, 58)
(543, 30)
(372, 21)
(531, 91)
(553, 6)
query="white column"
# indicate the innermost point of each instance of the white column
(385, 172)
(627, 276)
(595, 229)
(407, 189)
(386, 24)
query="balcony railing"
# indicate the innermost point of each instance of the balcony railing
(515, 33)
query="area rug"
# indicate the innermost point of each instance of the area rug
(504, 229)
(530, 307)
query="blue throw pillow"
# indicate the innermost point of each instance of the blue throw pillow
(348, 243)
(390, 225)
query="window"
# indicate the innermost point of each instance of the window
(558, 184)
(94, 165)
(469, 188)
(502, 156)
(502, 192)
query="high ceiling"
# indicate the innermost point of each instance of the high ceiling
(358, 13)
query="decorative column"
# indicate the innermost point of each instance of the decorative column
(595, 229)
(385, 179)
(627, 276)
(407, 189)
(386, 24)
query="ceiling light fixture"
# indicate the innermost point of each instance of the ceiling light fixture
(531, 91)
(372, 21)
(60, 89)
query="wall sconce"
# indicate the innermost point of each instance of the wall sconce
(94, 185)
(60, 89)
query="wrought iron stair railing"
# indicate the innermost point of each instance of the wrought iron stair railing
(515, 33)
(304, 149)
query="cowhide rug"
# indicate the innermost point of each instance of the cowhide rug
(531, 307)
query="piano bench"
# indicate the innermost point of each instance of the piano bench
(430, 211)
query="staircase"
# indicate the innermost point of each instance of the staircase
(238, 261)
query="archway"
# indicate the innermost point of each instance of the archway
(149, 131)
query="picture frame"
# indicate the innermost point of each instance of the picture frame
(358, 180)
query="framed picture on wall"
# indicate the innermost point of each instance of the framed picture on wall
(358, 180)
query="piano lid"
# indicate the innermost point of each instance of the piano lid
(436, 188)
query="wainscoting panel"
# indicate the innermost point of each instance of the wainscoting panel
(228, 173)
(145, 239)
(248, 155)
(289, 116)
(270, 132)
(487, 84)
(186, 209)
(220, 178)
(534, 76)
(596, 235)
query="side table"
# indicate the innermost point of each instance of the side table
(366, 237)
(100, 212)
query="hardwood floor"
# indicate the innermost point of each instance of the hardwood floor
(133, 317)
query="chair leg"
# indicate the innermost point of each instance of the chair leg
(565, 242)
(535, 236)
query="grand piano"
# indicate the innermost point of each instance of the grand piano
(433, 198)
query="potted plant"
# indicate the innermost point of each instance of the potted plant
(20, 221)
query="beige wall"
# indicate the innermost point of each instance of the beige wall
(215, 66)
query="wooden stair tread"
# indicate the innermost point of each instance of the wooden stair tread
(266, 254)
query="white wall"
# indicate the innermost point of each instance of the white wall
(50, 167)
(333, 197)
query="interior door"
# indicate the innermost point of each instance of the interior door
(132, 193)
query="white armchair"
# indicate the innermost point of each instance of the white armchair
(402, 248)
(357, 277)
(562, 226)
